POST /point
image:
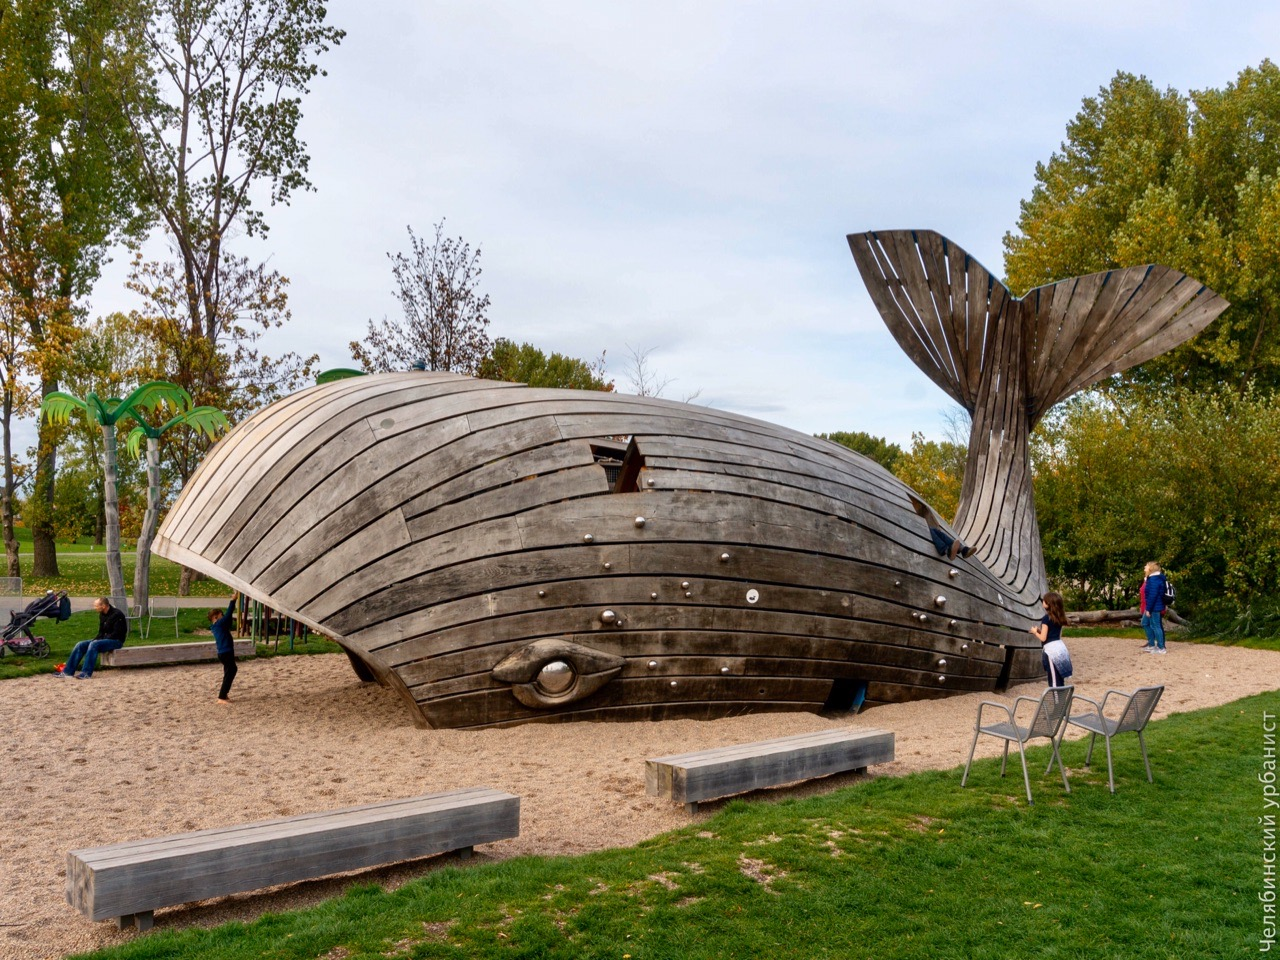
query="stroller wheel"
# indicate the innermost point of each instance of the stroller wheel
(41, 649)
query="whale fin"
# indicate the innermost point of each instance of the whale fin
(1008, 361)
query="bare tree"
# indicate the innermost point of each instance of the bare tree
(444, 326)
(644, 381)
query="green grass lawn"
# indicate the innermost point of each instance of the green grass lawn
(84, 574)
(192, 625)
(23, 535)
(82, 569)
(893, 867)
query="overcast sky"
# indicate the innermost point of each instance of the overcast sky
(680, 177)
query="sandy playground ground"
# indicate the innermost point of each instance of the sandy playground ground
(147, 752)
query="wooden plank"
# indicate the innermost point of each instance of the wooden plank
(364, 442)
(626, 588)
(717, 522)
(666, 564)
(210, 483)
(515, 466)
(275, 454)
(302, 574)
(470, 647)
(710, 774)
(738, 659)
(876, 257)
(125, 879)
(135, 656)
(585, 481)
(354, 497)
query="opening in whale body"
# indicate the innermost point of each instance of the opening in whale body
(463, 539)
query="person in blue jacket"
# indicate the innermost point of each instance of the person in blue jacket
(1153, 613)
(221, 623)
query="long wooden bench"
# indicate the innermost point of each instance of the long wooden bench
(192, 652)
(689, 778)
(129, 881)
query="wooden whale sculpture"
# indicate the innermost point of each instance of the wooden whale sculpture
(500, 554)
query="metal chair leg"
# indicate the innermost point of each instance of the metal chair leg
(1061, 767)
(1111, 776)
(973, 746)
(1143, 744)
(1026, 778)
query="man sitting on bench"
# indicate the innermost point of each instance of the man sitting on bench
(113, 627)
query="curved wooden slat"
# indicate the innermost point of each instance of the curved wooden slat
(1032, 353)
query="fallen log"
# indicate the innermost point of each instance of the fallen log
(1118, 618)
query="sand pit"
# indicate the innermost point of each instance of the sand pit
(147, 752)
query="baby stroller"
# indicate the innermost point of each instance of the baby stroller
(17, 636)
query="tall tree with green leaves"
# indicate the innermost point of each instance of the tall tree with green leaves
(1192, 182)
(215, 131)
(207, 420)
(1207, 514)
(68, 188)
(59, 407)
(878, 449)
(935, 470)
(525, 363)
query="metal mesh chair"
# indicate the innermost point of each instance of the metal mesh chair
(161, 608)
(1138, 708)
(1050, 713)
(131, 613)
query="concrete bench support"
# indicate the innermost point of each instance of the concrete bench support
(723, 771)
(160, 653)
(128, 881)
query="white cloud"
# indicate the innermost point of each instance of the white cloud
(681, 176)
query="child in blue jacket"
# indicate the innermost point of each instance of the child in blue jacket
(221, 623)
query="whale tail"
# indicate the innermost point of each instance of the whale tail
(1008, 360)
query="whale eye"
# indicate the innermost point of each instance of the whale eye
(552, 672)
(556, 678)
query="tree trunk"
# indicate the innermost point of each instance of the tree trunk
(12, 563)
(185, 581)
(1114, 618)
(44, 550)
(142, 567)
(115, 568)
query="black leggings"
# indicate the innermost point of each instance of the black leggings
(229, 668)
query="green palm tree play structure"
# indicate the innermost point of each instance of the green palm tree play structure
(207, 420)
(158, 395)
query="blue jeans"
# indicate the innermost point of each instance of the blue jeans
(88, 650)
(941, 541)
(1153, 623)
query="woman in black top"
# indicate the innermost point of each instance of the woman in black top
(1054, 655)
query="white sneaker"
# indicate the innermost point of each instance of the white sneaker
(1160, 650)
